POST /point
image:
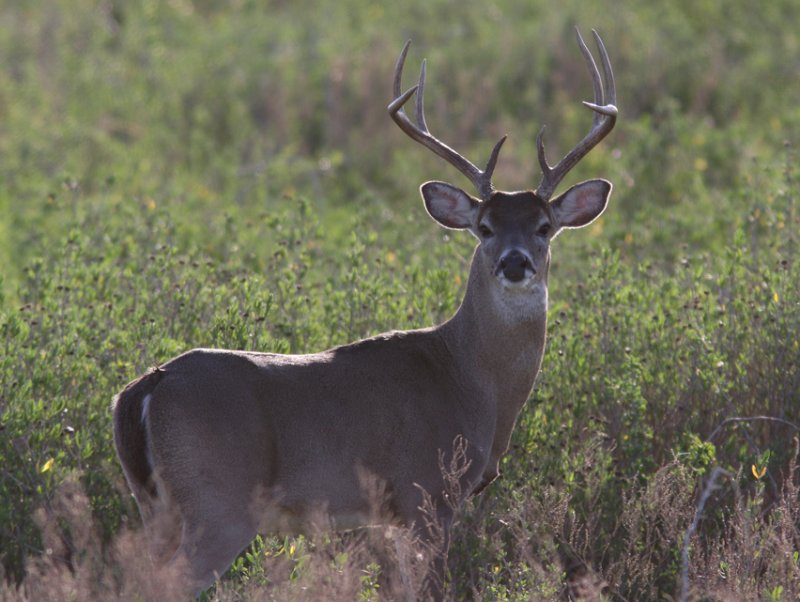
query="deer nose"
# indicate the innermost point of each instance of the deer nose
(513, 265)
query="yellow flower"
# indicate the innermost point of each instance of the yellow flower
(47, 465)
(758, 474)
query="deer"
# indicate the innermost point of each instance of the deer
(203, 435)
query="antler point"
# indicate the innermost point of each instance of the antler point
(607, 109)
(398, 102)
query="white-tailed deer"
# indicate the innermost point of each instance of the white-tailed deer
(207, 435)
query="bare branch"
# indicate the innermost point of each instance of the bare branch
(736, 419)
(709, 489)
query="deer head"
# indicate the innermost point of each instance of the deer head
(514, 228)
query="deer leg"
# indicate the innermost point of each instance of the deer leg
(163, 529)
(161, 521)
(435, 538)
(437, 575)
(209, 546)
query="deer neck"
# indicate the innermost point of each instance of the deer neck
(497, 338)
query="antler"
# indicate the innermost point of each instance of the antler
(482, 180)
(605, 116)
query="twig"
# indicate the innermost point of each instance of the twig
(710, 486)
(727, 421)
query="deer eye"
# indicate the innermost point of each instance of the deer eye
(485, 231)
(544, 230)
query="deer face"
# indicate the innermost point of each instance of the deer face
(515, 228)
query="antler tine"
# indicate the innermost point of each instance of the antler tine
(421, 99)
(482, 180)
(597, 82)
(608, 73)
(609, 94)
(398, 69)
(605, 117)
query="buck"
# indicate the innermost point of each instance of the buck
(206, 435)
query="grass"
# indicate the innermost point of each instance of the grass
(186, 174)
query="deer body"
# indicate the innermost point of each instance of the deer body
(225, 444)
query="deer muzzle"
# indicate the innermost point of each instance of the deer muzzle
(514, 266)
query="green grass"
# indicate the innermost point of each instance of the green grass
(184, 174)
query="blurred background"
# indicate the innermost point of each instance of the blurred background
(177, 174)
(209, 108)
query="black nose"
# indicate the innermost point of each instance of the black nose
(513, 265)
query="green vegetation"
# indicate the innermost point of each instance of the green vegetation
(179, 174)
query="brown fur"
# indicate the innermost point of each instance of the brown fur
(237, 442)
(130, 436)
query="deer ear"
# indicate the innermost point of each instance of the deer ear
(448, 205)
(581, 204)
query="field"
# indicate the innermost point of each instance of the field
(180, 174)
